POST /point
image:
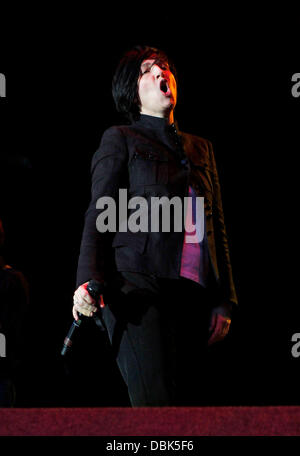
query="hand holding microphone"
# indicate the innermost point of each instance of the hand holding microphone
(85, 301)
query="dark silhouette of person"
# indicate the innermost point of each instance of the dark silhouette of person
(14, 301)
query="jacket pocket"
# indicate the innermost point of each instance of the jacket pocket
(202, 172)
(136, 241)
(148, 167)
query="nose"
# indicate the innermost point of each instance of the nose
(159, 72)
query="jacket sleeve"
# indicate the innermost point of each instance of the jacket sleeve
(109, 165)
(227, 288)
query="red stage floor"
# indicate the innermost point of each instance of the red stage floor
(151, 421)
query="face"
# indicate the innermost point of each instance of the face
(156, 88)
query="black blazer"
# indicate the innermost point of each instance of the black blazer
(145, 158)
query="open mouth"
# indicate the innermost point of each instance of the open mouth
(164, 87)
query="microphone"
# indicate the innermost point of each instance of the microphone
(95, 289)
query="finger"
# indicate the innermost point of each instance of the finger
(82, 294)
(85, 296)
(75, 314)
(213, 323)
(81, 304)
(226, 321)
(222, 326)
(218, 324)
(213, 335)
(226, 331)
(218, 335)
(226, 326)
(218, 330)
(85, 309)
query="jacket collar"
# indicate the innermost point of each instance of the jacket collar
(155, 123)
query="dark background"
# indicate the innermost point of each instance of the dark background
(234, 68)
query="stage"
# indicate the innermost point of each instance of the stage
(151, 421)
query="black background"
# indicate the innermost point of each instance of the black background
(234, 68)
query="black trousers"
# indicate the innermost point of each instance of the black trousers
(158, 330)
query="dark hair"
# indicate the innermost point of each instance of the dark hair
(125, 79)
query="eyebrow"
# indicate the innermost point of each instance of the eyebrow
(148, 63)
(154, 61)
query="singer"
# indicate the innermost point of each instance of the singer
(167, 300)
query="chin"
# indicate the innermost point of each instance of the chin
(170, 105)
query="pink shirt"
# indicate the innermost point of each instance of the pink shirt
(194, 259)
